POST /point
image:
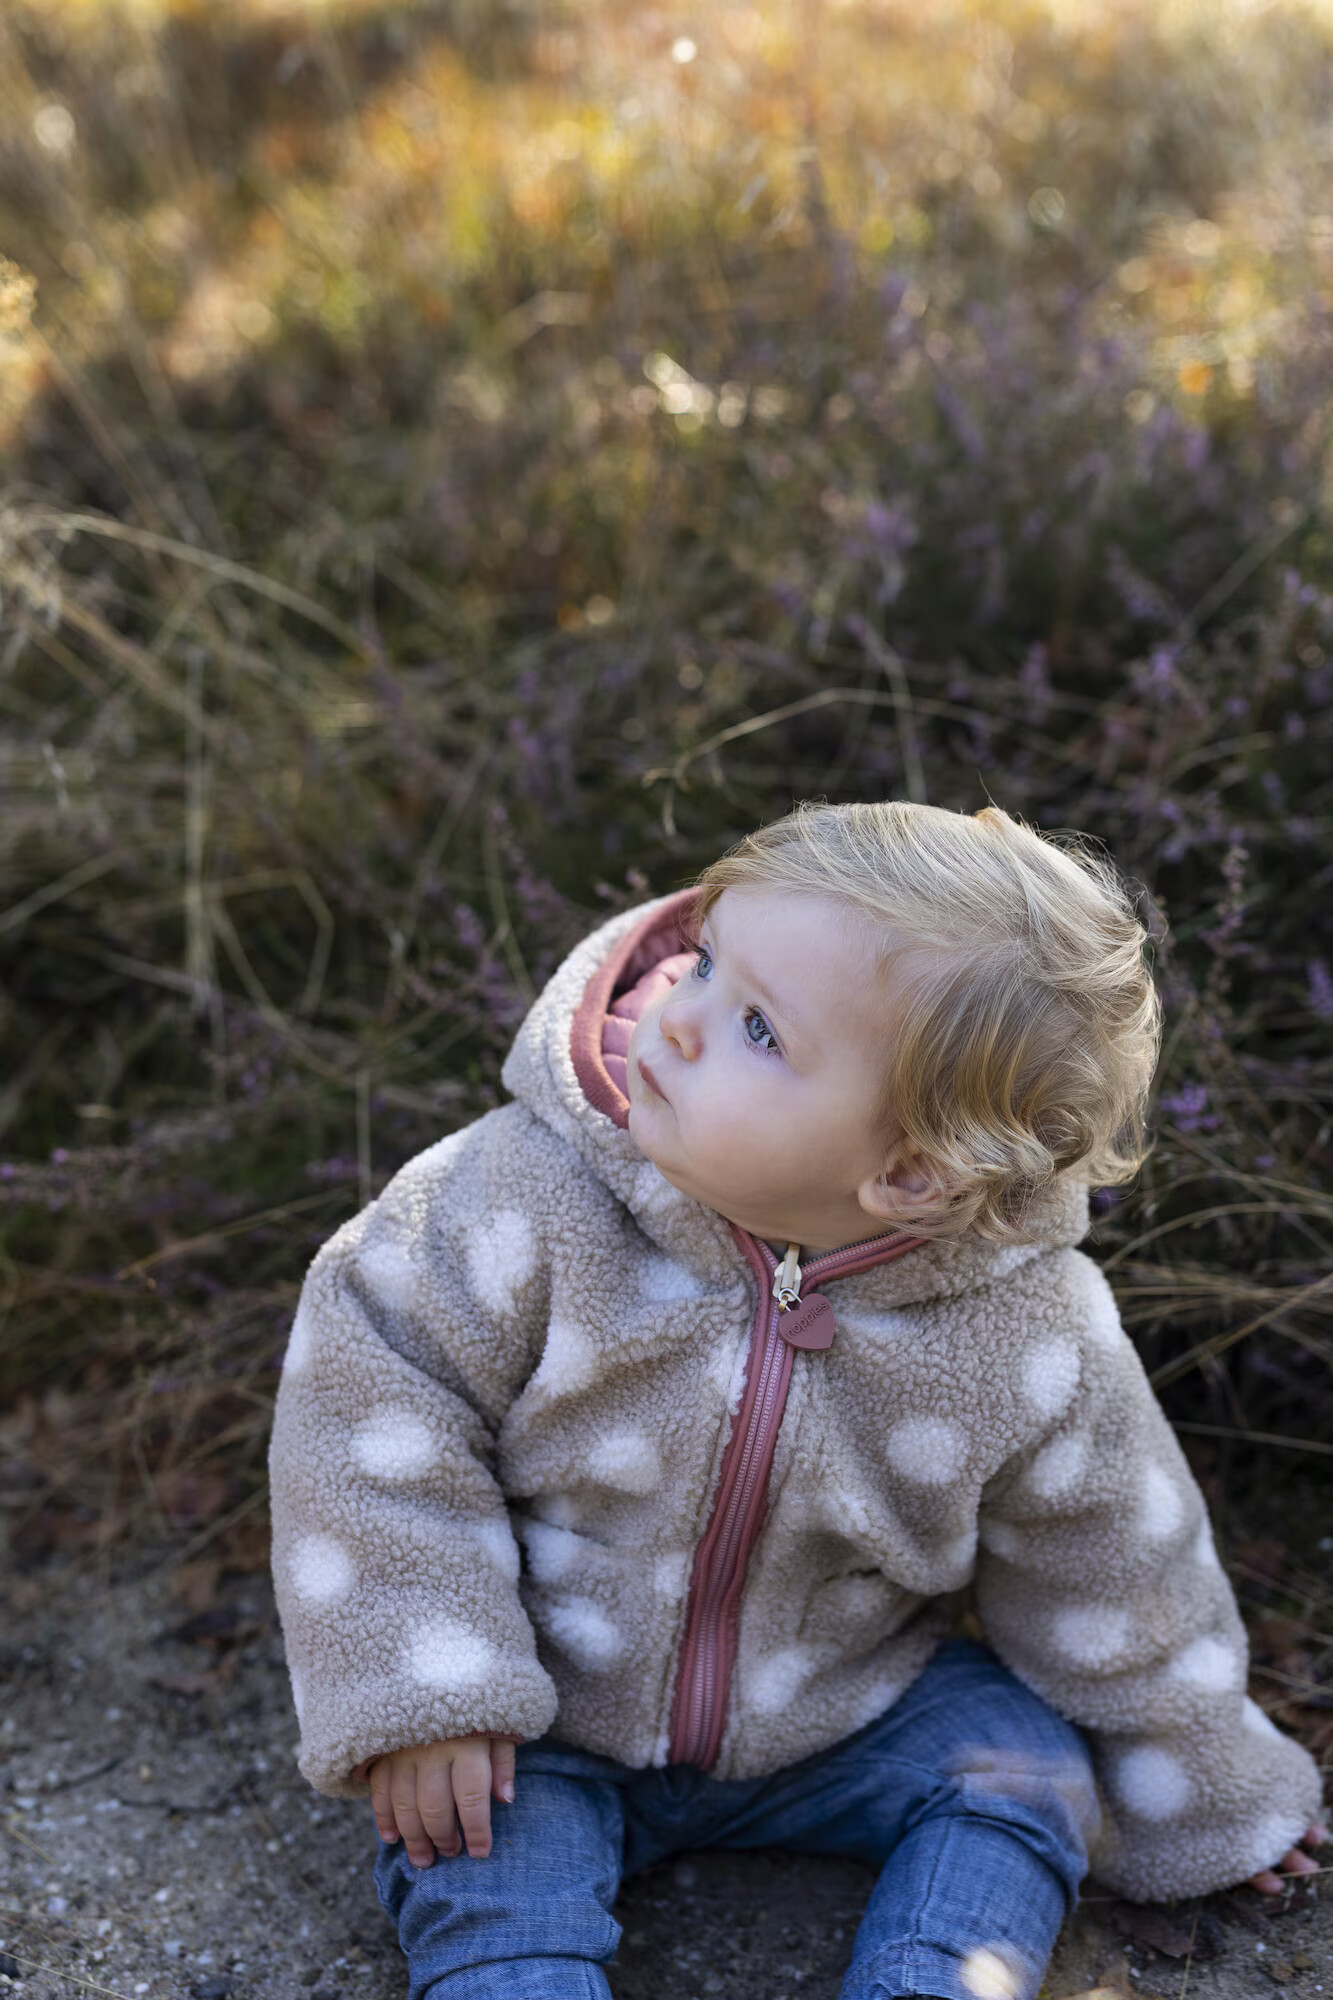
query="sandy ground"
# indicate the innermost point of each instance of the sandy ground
(160, 1842)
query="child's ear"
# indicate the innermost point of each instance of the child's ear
(905, 1181)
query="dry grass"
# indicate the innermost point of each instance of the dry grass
(464, 465)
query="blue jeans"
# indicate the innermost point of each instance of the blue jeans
(973, 1798)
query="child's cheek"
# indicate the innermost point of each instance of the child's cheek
(645, 1029)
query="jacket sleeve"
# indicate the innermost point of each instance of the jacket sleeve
(394, 1564)
(1099, 1586)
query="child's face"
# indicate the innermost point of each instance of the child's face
(755, 1084)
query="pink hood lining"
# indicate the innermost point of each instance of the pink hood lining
(660, 935)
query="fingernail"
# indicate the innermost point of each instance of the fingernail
(507, 1794)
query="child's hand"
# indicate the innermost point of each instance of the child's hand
(1293, 1862)
(420, 1795)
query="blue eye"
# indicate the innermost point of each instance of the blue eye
(758, 1033)
(703, 962)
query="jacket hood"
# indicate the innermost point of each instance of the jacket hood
(555, 1070)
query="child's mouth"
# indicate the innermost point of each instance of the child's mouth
(646, 1073)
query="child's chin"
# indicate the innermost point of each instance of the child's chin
(645, 1130)
(639, 1126)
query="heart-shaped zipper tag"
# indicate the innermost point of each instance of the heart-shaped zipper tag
(810, 1325)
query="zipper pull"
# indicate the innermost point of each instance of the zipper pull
(811, 1326)
(787, 1279)
(807, 1323)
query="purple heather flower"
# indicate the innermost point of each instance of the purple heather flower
(1321, 989)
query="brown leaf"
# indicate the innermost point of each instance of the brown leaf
(189, 1496)
(1175, 1933)
(196, 1584)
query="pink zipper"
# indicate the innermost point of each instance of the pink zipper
(708, 1649)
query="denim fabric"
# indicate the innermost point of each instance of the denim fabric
(974, 1799)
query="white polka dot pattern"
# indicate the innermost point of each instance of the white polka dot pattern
(496, 1541)
(1101, 1319)
(448, 1656)
(1258, 1724)
(582, 1630)
(501, 1257)
(1002, 1539)
(394, 1444)
(671, 1573)
(1092, 1636)
(775, 1683)
(1152, 1783)
(873, 1325)
(1049, 1375)
(569, 1360)
(1205, 1548)
(1160, 1510)
(299, 1345)
(1059, 1466)
(927, 1450)
(552, 1552)
(987, 1977)
(626, 1461)
(388, 1274)
(1209, 1665)
(322, 1570)
(661, 1279)
(959, 1559)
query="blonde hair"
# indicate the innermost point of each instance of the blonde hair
(1027, 1023)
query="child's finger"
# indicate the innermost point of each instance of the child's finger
(1293, 1862)
(381, 1804)
(436, 1804)
(502, 1771)
(471, 1774)
(417, 1841)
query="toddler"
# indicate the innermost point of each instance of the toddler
(632, 1447)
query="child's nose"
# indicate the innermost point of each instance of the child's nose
(679, 1026)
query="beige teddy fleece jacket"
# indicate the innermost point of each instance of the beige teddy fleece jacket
(511, 1494)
